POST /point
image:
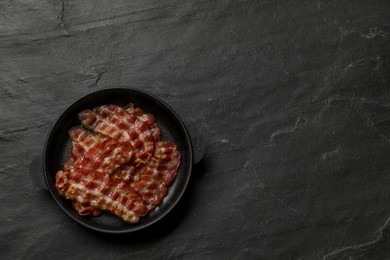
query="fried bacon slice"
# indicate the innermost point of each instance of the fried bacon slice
(153, 180)
(148, 119)
(107, 156)
(116, 123)
(82, 142)
(85, 209)
(101, 192)
(125, 172)
(94, 153)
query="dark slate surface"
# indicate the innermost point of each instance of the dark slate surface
(292, 98)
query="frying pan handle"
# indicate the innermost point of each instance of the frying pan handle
(36, 172)
(198, 144)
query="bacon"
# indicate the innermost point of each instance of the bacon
(153, 180)
(99, 154)
(125, 172)
(117, 123)
(119, 165)
(87, 118)
(82, 142)
(101, 192)
(107, 156)
(85, 209)
(147, 119)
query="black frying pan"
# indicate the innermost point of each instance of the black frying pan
(58, 146)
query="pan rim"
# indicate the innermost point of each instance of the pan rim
(132, 227)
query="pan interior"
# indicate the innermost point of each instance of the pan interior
(58, 148)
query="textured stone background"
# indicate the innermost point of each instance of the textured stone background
(292, 98)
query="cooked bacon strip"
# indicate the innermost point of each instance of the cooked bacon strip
(82, 142)
(95, 153)
(147, 119)
(102, 192)
(85, 209)
(107, 156)
(153, 180)
(125, 172)
(117, 123)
